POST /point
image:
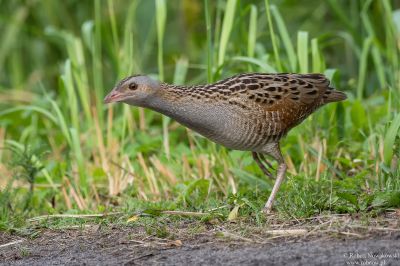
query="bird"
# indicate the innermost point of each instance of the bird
(246, 112)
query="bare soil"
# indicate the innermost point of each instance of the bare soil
(223, 244)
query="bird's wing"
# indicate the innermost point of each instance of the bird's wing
(270, 90)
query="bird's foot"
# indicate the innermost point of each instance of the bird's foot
(267, 210)
(268, 173)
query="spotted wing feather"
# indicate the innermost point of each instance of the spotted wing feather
(271, 89)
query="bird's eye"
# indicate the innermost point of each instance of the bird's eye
(132, 86)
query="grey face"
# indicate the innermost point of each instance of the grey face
(133, 90)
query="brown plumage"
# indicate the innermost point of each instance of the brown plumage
(250, 112)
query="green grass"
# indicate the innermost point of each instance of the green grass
(63, 151)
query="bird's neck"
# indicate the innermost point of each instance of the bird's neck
(170, 100)
(186, 106)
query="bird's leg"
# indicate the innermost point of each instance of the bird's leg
(256, 157)
(279, 178)
(275, 152)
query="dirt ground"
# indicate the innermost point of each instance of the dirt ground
(211, 245)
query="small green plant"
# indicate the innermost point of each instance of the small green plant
(194, 193)
(26, 167)
(24, 252)
(305, 197)
(158, 231)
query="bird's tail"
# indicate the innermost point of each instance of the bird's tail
(332, 95)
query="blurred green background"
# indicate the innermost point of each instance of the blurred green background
(62, 149)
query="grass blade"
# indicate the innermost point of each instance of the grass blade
(390, 137)
(264, 66)
(68, 84)
(317, 62)
(252, 36)
(181, 69)
(79, 158)
(97, 58)
(226, 29)
(161, 17)
(287, 42)
(302, 51)
(209, 42)
(11, 33)
(362, 72)
(273, 37)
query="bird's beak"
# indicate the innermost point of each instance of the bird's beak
(113, 96)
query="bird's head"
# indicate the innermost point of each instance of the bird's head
(134, 90)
